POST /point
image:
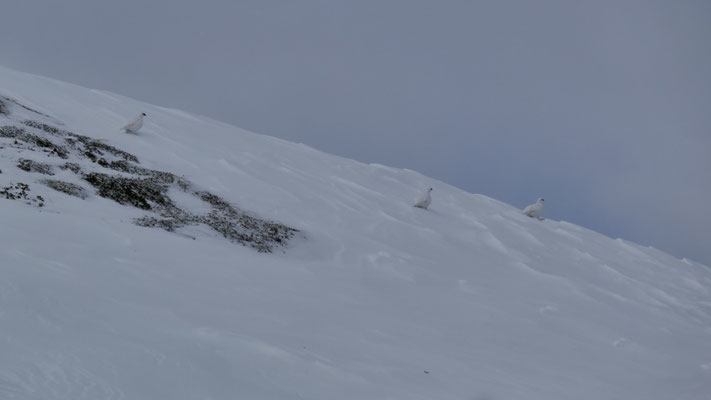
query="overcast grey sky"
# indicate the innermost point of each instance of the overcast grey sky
(603, 107)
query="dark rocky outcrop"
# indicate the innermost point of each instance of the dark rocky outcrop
(34, 166)
(67, 187)
(145, 194)
(133, 185)
(20, 191)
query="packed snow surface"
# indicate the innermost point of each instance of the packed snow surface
(372, 299)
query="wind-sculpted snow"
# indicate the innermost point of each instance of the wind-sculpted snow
(469, 299)
(56, 376)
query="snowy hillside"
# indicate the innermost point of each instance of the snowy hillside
(268, 270)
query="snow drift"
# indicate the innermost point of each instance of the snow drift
(362, 297)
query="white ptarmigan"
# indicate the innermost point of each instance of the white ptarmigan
(135, 125)
(424, 200)
(535, 210)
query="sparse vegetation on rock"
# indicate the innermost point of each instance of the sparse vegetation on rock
(34, 166)
(20, 134)
(88, 145)
(144, 188)
(66, 187)
(74, 167)
(152, 194)
(125, 166)
(19, 191)
(47, 128)
(84, 146)
(145, 194)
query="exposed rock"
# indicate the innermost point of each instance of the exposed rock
(74, 167)
(89, 145)
(167, 224)
(90, 155)
(151, 194)
(144, 188)
(125, 166)
(82, 143)
(231, 223)
(142, 193)
(33, 140)
(34, 166)
(47, 128)
(19, 191)
(67, 187)
(10, 131)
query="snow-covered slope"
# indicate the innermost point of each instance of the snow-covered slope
(370, 299)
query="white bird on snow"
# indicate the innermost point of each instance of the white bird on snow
(424, 200)
(135, 125)
(535, 210)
